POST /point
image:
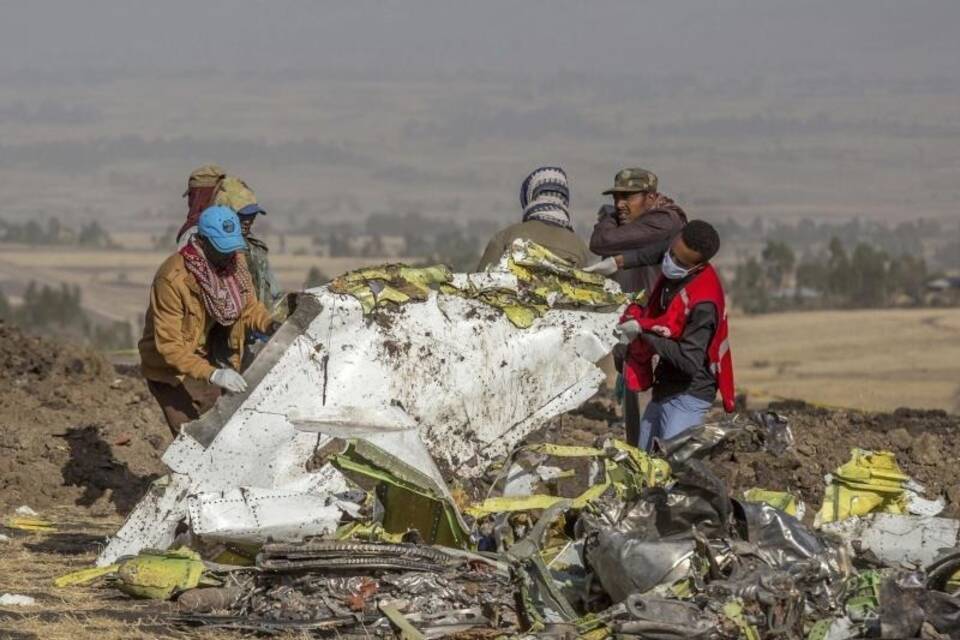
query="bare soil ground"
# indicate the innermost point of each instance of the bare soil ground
(73, 431)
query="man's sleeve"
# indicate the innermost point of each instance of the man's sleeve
(606, 233)
(689, 353)
(610, 238)
(168, 311)
(649, 254)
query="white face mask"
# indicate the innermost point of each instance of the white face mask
(671, 270)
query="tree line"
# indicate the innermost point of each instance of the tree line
(91, 234)
(59, 311)
(865, 277)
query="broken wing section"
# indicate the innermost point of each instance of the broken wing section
(471, 383)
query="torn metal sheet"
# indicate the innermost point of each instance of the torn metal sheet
(781, 500)
(257, 515)
(897, 538)
(153, 522)
(625, 565)
(471, 382)
(697, 442)
(783, 538)
(662, 619)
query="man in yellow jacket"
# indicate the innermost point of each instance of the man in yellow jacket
(202, 303)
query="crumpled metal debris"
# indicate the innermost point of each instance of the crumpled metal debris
(627, 565)
(907, 606)
(367, 587)
(529, 281)
(662, 618)
(768, 428)
(346, 495)
(777, 435)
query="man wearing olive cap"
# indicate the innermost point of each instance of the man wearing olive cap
(640, 220)
(202, 290)
(639, 217)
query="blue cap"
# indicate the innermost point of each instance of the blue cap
(221, 226)
(251, 210)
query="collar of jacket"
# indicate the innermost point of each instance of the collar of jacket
(188, 277)
(257, 242)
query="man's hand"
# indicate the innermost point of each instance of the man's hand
(607, 211)
(606, 267)
(229, 379)
(629, 331)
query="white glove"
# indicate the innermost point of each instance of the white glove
(606, 267)
(629, 331)
(229, 379)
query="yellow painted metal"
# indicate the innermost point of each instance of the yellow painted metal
(643, 471)
(546, 281)
(870, 482)
(30, 523)
(159, 576)
(83, 576)
(733, 610)
(782, 500)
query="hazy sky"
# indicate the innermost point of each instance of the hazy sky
(765, 107)
(632, 36)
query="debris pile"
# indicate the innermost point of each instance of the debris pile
(626, 545)
(379, 477)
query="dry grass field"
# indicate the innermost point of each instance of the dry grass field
(114, 284)
(871, 359)
(30, 561)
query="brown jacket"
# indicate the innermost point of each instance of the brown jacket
(610, 238)
(175, 331)
(563, 242)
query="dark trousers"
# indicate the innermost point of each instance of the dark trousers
(183, 403)
(631, 416)
(634, 403)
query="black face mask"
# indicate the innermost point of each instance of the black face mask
(214, 257)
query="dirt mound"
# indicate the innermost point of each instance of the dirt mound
(926, 443)
(72, 429)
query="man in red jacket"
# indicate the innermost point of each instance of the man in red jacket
(639, 218)
(694, 359)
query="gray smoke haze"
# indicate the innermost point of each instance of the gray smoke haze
(769, 107)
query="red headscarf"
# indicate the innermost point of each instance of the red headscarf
(198, 199)
(224, 290)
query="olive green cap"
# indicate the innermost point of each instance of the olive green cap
(209, 175)
(633, 180)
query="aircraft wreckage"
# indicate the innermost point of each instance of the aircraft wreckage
(329, 498)
(452, 380)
